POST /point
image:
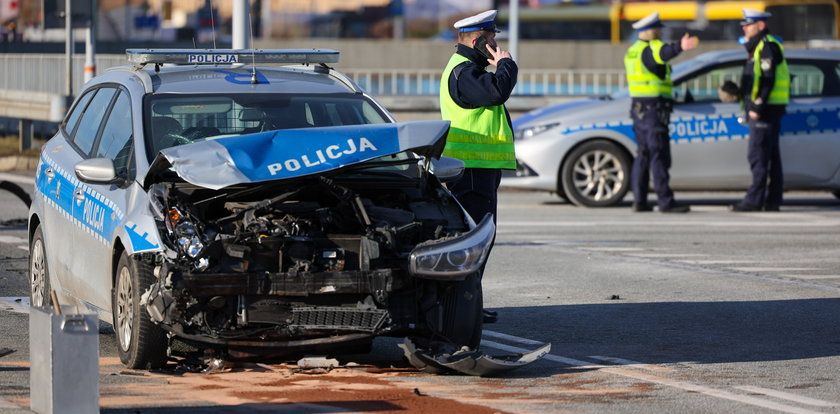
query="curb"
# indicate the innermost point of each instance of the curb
(18, 163)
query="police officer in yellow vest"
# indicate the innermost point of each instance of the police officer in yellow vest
(765, 85)
(473, 99)
(649, 81)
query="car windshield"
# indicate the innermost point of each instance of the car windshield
(178, 119)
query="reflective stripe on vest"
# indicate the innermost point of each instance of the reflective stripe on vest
(480, 137)
(642, 82)
(780, 94)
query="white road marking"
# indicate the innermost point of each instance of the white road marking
(629, 363)
(511, 338)
(774, 269)
(12, 240)
(669, 223)
(613, 249)
(702, 262)
(788, 396)
(666, 255)
(687, 386)
(10, 304)
(23, 247)
(812, 276)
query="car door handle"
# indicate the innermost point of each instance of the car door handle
(49, 173)
(79, 194)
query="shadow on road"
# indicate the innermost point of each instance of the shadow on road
(699, 332)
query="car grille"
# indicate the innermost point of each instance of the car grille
(338, 318)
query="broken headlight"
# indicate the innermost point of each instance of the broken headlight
(186, 235)
(455, 258)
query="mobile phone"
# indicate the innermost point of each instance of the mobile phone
(481, 47)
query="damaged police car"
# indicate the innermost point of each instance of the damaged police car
(253, 212)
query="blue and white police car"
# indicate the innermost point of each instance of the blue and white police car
(583, 150)
(254, 211)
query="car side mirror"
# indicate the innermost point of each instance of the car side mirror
(97, 171)
(448, 169)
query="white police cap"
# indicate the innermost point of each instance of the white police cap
(648, 22)
(751, 16)
(482, 21)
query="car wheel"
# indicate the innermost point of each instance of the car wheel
(463, 312)
(596, 174)
(39, 274)
(140, 342)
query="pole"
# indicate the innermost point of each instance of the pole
(514, 28)
(68, 46)
(90, 43)
(239, 26)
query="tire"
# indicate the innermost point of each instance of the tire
(39, 274)
(596, 174)
(463, 312)
(140, 342)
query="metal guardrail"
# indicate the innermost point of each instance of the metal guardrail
(46, 73)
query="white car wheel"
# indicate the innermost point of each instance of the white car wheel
(39, 275)
(596, 174)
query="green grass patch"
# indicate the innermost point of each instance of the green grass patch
(10, 145)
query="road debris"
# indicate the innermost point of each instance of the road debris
(469, 361)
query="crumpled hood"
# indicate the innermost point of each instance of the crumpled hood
(289, 153)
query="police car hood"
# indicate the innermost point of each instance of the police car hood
(290, 153)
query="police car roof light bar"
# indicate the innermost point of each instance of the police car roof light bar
(230, 56)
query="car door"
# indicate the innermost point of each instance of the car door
(54, 181)
(81, 143)
(100, 207)
(808, 141)
(708, 141)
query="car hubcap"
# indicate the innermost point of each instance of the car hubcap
(125, 311)
(38, 274)
(598, 175)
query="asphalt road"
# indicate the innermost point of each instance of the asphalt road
(709, 311)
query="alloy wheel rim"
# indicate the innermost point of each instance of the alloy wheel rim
(598, 175)
(38, 274)
(125, 311)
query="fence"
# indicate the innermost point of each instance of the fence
(46, 73)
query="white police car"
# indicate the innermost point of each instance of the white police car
(253, 211)
(583, 150)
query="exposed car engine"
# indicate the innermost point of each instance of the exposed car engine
(314, 258)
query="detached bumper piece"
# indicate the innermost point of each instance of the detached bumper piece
(469, 361)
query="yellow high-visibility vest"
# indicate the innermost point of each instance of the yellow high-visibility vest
(480, 137)
(642, 82)
(780, 94)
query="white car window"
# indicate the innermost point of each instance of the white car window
(116, 142)
(85, 134)
(703, 87)
(806, 80)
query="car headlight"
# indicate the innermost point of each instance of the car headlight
(455, 258)
(529, 132)
(185, 233)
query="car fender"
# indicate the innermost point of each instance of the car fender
(138, 232)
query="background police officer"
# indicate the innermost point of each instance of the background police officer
(765, 85)
(473, 100)
(649, 81)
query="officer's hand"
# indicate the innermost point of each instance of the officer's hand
(689, 42)
(754, 115)
(498, 54)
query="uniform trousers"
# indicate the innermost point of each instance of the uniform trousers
(765, 163)
(650, 124)
(477, 191)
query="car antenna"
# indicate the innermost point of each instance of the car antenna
(253, 52)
